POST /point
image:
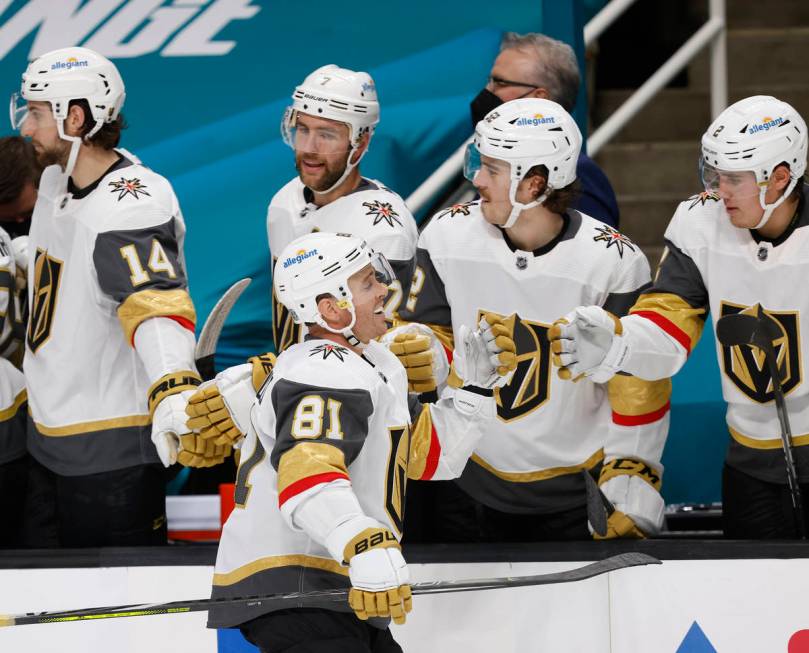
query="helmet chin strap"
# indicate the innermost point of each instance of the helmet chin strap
(347, 331)
(769, 208)
(349, 167)
(517, 207)
(75, 144)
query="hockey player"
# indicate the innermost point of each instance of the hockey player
(321, 486)
(529, 254)
(329, 126)
(109, 348)
(739, 246)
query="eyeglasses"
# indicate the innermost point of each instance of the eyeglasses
(499, 82)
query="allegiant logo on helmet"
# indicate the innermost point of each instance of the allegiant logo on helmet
(72, 62)
(536, 119)
(300, 255)
(765, 125)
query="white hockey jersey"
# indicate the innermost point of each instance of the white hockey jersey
(102, 261)
(711, 266)
(372, 212)
(329, 416)
(548, 430)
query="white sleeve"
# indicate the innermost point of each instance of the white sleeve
(164, 346)
(445, 434)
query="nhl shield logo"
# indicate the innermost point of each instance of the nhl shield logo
(47, 275)
(746, 366)
(530, 386)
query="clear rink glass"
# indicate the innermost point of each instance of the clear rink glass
(730, 184)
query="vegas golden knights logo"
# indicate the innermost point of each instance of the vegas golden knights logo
(530, 386)
(746, 366)
(47, 275)
(396, 478)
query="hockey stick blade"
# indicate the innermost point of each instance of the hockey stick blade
(746, 329)
(212, 329)
(614, 563)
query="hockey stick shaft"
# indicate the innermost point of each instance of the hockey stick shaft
(614, 563)
(786, 440)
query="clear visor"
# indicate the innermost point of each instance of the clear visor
(315, 135)
(737, 184)
(382, 269)
(18, 111)
(471, 162)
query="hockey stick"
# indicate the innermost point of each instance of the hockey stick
(599, 507)
(760, 331)
(209, 336)
(614, 563)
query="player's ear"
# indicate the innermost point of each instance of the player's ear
(780, 177)
(327, 306)
(74, 120)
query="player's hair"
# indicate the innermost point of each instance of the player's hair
(555, 65)
(561, 199)
(109, 135)
(18, 166)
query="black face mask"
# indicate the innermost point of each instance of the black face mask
(14, 228)
(484, 102)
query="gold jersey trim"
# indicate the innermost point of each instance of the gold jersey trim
(275, 562)
(91, 427)
(11, 411)
(676, 310)
(146, 304)
(308, 459)
(752, 443)
(630, 395)
(541, 474)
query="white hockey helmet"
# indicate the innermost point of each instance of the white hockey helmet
(59, 76)
(321, 263)
(339, 94)
(69, 74)
(525, 133)
(755, 135)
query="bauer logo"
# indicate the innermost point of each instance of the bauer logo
(536, 119)
(300, 255)
(72, 62)
(765, 125)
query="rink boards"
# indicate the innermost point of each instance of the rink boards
(706, 596)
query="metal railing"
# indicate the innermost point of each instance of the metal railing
(712, 32)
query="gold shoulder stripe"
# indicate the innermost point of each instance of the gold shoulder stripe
(308, 459)
(630, 395)
(11, 411)
(684, 320)
(141, 306)
(542, 474)
(752, 443)
(274, 562)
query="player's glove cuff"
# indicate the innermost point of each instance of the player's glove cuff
(171, 384)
